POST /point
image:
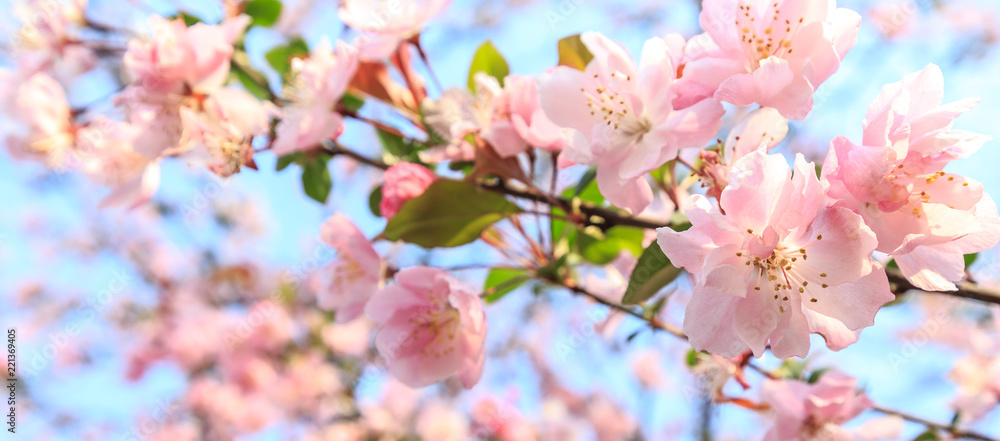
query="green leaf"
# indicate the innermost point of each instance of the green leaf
(652, 272)
(603, 250)
(374, 200)
(969, 258)
(554, 269)
(448, 214)
(352, 102)
(692, 358)
(189, 20)
(501, 281)
(488, 59)
(816, 375)
(316, 179)
(928, 435)
(573, 53)
(255, 88)
(394, 144)
(793, 369)
(263, 12)
(289, 159)
(280, 57)
(892, 264)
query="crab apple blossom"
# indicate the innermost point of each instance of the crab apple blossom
(815, 412)
(37, 103)
(402, 182)
(774, 53)
(622, 114)
(430, 327)
(316, 86)
(762, 127)
(354, 276)
(926, 218)
(109, 157)
(509, 117)
(384, 25)
(49, 39)
(518, 121)
(177, 56)
(221, 133)
(773, 263)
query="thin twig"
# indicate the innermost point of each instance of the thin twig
(965, 290)
(958, 433)
(676, 332)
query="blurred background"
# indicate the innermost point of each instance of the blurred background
(85, 287)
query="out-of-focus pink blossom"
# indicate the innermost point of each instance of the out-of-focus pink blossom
(773, 53)
(226, 404)
(646, 368)
(356, 273)
(610, 421)
(107, 149)
(177, 56)
(431, 326)
(351, 338)
(37, 104)
(777, 265)
(926, 218)
(893, 19)
(978, 373)
(49, 39)
(815, 412)
(622, 114)
(384, 25)
(220, 135)
(502, 421)
(316, 86)
(402, 182)
(440, 422)
(518, 121)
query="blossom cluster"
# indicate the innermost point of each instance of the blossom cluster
(776, 249)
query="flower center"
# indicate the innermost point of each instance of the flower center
(783, 270)
(773, 40)
(616, 109)
(439, 324)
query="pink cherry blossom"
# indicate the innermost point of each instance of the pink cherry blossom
(622, 114)
(459, 113)
(402, 182)
(773, 53)
(316, 86)
(351, 338)
(384, 25)
(441, 422)
(762, 127)
(431, 326)
(518, 121)
(49, 39)
(778, 265)
(177, 56)
(925, 218)
(36, 103)
(647, 369)
(108, 157)
(978, 373)
(220, 135)
(815, 412)
(356, 273)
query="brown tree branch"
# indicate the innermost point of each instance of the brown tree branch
(966, 290)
